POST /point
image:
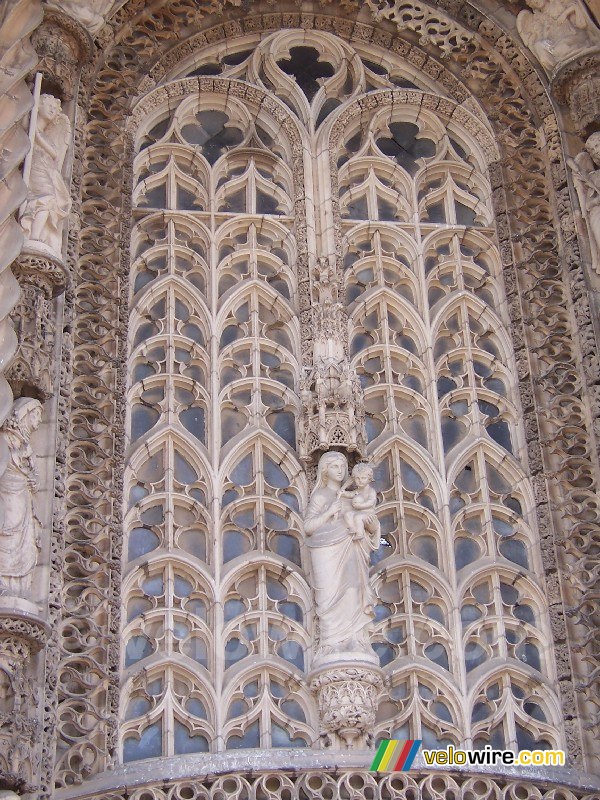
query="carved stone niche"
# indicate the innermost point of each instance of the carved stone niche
(63, 47)
(21, 637)
(347, 698)
(41, 278)
(577, 83)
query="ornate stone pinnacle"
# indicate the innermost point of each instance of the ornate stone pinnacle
(332, 413)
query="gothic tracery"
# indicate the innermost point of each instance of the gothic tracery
(320, 138)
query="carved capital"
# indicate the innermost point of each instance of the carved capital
(347, 699)
(63, 47)
(577, 83)
(41, 278)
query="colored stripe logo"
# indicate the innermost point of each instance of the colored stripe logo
(395, 755)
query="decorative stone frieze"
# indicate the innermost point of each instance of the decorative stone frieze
(577, 83)
(33, 369)
(63, 46)
(347, 699)
(432, 27)
(298, 781)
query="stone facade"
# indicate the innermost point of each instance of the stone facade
(274, 233)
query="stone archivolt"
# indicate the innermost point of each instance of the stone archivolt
(550, 316)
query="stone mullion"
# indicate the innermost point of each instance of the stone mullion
(216, 481)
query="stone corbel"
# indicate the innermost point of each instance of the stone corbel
(41, 279)
(347, 698)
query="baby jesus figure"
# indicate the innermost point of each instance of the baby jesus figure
(364, 500)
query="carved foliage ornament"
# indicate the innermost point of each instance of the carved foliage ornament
(347, 705)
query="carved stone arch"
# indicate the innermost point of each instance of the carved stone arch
(536, 261)
(396, 303)
(441, 688)
(416, 457)
(536, 685)
(265, 673)
(297, 580)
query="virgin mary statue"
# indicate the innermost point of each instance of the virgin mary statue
(340, 566)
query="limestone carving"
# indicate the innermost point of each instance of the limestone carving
(332, 403)
(347, 705)
(19, 721)
(32, 370)
(586, 171)
(17, 59)
(19, 525)
(49, 202)
(555, 31)
(363, 500)
(340, 565)
(543, 330)
(90, 14)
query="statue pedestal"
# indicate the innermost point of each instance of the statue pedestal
(347, 693)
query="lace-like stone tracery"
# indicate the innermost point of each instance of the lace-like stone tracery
(212, 478)
(428, 338)
(218, 610)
